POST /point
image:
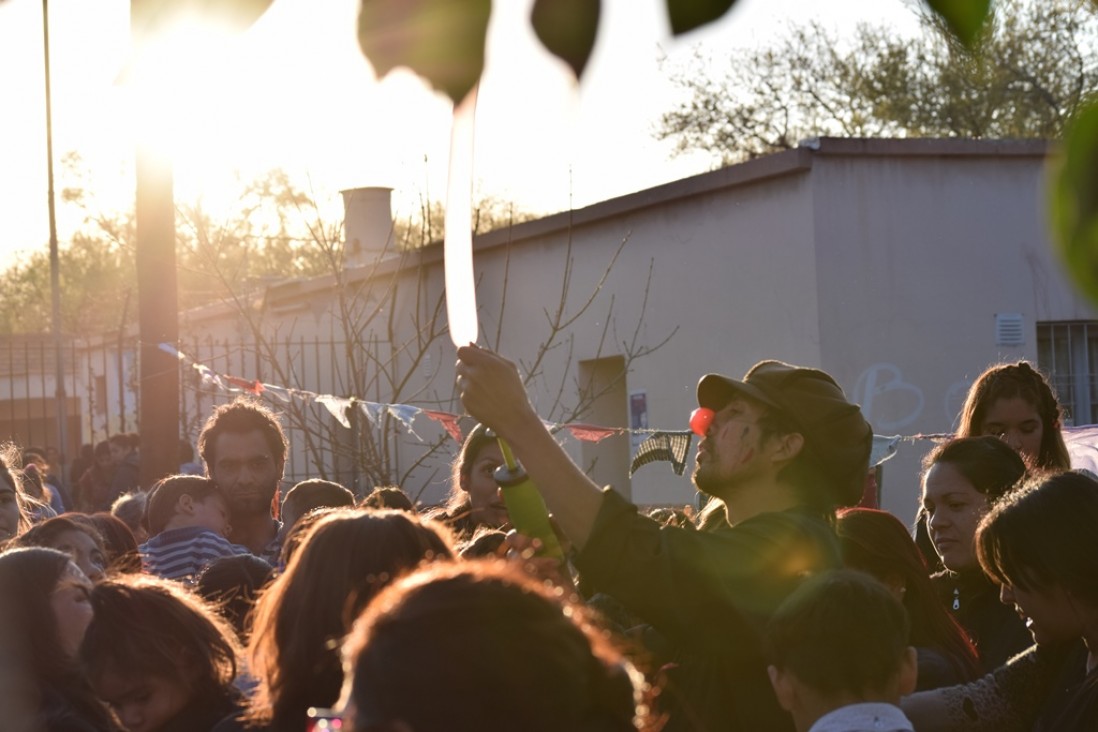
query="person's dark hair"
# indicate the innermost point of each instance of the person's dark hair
(233, 585)
(876, 542)
(296, 533)
(316, 493)
(457, 500)
(841, 632)
(388, 496)
(119, 543)
(165, 495)
(130, 508)
(47, 533)
(103, 449)
(146, 626)
(343, 561)
(484, 543)
(988, 463)
(1043, 535)
(489, 641)
(32, 658)
(242, 415)
(1008, 381)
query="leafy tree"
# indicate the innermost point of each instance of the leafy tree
(1029, 69)
(274, 231)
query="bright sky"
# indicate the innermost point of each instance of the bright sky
(296, 93)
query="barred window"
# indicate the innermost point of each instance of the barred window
(1067, 352)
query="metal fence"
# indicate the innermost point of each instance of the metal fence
(103, 398)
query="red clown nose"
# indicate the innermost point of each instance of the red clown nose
(700, 419)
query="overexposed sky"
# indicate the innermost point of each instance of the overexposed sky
(296, 93)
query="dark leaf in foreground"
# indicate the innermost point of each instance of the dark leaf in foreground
(568, 29)
(441, 40)
(686, 15)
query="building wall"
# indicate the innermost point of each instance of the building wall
(916, 255)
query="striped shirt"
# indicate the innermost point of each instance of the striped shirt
(181, 554)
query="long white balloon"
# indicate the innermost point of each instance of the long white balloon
(461, 296)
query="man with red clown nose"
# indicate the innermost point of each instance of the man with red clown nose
(780, 449)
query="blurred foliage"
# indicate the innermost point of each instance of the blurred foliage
(1029, 69)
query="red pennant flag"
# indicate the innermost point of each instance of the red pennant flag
(592, 433)
(252, 387)
(448, 421)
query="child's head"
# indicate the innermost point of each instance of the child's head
(309, 495)
(841, 638)
(154, 649)
(186, 500)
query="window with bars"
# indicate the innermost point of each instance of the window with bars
(1068, 354)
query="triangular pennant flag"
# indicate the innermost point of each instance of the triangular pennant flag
(337, 406)
(884, 447)
(669, 446)
(592, 433)
(405, 413)
(210, 378)
(373, 412)
(449, 422)
(171, 351)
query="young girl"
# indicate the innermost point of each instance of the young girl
(962, 480)
(44, 612)
(74, 536)
(475, 500)
(159, 656)
(1014, 402)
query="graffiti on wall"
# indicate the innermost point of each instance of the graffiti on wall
(891, 403)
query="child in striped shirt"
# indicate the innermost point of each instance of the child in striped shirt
(188, 520)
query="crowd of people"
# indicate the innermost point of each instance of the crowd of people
(213, 600)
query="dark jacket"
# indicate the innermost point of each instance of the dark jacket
(710, 594)
(995, 629)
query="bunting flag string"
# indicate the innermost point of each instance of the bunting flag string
(659, 445)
